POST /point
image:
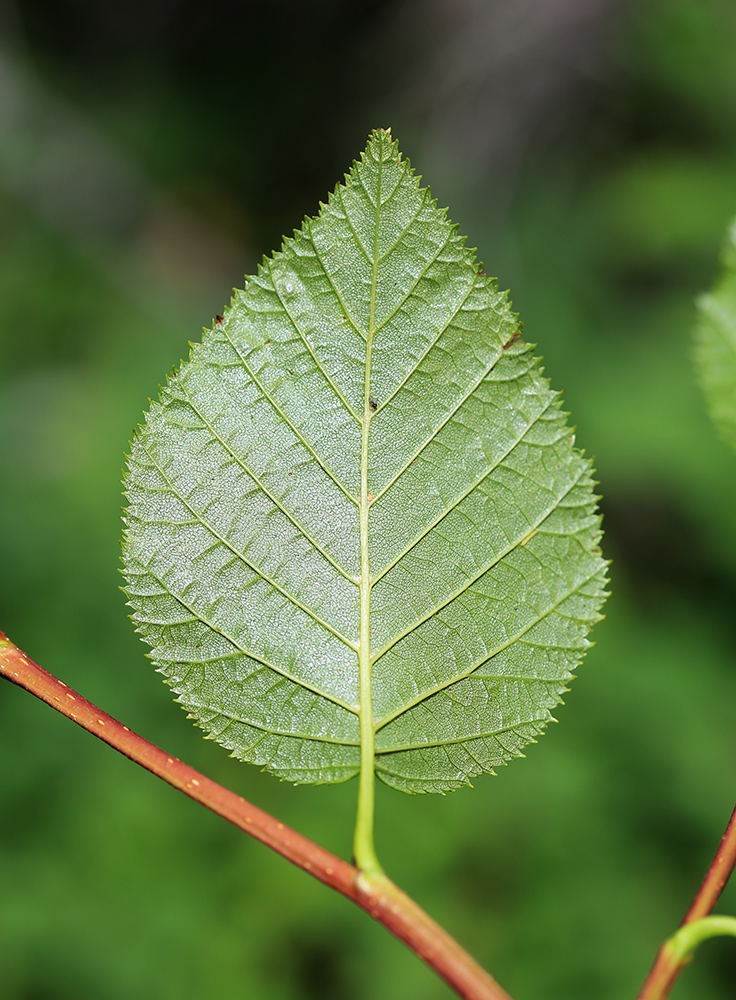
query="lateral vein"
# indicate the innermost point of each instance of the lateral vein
(471, 670)
(302, 440)
(247, 562)
(259, 482)
(256, 657)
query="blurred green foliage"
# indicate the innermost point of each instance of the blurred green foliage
(564, 873)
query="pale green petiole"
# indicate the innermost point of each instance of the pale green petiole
(689, 936)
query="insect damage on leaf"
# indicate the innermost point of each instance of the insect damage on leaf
(299, 557)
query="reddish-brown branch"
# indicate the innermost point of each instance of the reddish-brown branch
(378, 896)
(718, 874)
(667, 966)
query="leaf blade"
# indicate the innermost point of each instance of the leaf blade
(363, 428)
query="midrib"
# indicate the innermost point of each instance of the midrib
(363, 844)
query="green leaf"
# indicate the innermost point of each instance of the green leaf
(715, 344)
(357, 514)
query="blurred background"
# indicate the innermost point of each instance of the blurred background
(150, 153)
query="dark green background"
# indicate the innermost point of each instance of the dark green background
(149, 153)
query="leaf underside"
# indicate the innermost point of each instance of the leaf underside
(715, 345)
(370, 363)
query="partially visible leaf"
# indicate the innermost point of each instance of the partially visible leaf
(715, 344)
(365, 411)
